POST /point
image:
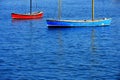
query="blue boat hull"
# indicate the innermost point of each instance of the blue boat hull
(78, 23)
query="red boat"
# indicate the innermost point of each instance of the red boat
(27, 16)
(30, 15)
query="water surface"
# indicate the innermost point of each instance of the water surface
(29, 50)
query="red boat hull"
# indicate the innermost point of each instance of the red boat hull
(27, 16)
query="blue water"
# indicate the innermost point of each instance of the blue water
(29, 50)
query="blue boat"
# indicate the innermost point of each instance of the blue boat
(77, 23)
(82, 23)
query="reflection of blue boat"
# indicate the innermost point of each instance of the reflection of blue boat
(75, 23)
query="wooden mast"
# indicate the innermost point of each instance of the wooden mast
(30, 6)
(59, 9)
(92, 10)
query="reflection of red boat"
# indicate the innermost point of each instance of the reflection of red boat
(27, 16)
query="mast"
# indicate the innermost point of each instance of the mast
(92, 10)
(59, 9)
(30, 6)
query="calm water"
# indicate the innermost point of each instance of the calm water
(29, 50)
